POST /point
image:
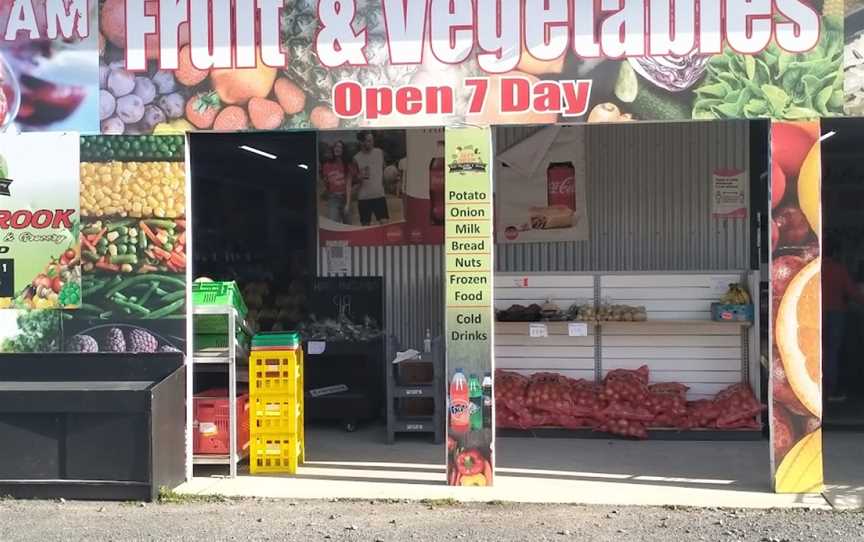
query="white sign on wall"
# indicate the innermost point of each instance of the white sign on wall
(729, 193)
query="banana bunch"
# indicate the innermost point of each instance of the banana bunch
(736, 295)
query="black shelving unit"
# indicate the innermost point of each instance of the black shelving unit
(350, 359)
(357, 365)
(398, 422)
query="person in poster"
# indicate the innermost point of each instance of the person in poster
(337, 177)
(396, 180)
(371, 198)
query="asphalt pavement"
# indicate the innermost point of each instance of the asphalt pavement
(218, 519)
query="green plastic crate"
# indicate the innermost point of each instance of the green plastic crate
(276, 339)
(219, 293)
(205, 341)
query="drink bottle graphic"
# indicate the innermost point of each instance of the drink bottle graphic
(475, 404)
(436, 186)
(561, 185)
(487, 401)
(459, 409)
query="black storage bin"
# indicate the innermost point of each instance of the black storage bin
(357, 365)
(91, 426)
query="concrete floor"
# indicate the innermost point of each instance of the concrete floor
(844, 469)
(728, 474)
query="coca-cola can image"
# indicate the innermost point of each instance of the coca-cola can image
(561, 185)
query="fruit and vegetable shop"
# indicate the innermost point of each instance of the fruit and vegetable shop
(314, 234)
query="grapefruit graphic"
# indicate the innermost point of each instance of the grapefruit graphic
(799, 336)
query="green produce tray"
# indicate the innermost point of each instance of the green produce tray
(289, 339)
(219, 293)
(203, 341)
(213, 324)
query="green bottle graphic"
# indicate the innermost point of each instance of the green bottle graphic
(475, 402)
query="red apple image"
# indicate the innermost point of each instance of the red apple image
(778, 185)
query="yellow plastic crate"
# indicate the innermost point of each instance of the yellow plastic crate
(275, 453)
(276, 372)
(274, 414)
(276, 411)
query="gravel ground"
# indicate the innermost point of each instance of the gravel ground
(245, 520)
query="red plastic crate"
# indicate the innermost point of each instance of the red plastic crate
(211, 420)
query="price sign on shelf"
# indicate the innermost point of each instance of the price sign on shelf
(520, 282)
(317, 347)
(577, 329)
(538, 331)
(719, 286)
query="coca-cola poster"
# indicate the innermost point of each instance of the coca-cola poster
(381, 187)
(541, 188)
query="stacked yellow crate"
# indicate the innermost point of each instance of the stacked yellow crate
(276, 409)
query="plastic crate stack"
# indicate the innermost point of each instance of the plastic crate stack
(276, 403)
(211, 329)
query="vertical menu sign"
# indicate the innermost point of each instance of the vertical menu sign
(469, 320)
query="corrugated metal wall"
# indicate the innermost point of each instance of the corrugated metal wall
(649, 201)
(649, 206)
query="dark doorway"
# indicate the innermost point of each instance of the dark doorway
(843, 242)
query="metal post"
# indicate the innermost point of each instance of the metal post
(232, 392)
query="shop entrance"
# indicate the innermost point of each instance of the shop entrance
(614, 245)
(843, 309)
(843, 227)
(354, 266)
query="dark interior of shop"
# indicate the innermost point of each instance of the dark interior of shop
(253, 199)
(843, 234)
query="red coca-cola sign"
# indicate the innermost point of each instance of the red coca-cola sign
(561, 185)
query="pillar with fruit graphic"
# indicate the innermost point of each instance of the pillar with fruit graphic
(796, 315)
(468, 245)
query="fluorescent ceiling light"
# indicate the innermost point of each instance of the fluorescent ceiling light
(303, 166)
(832, 133)
(259, 152)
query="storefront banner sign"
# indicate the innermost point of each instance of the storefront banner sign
(49, 65)
(40, 261)
(383, 187)
(282, 65)
(729, 194)
(469, 308)
(796, 381)
(541, 192)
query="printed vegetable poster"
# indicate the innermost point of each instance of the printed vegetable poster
(796, 287)
(468, 309)
(729, 194)
(133, 246)
(40, 264)
(541, 191)
(381, 187)
(49, 65)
